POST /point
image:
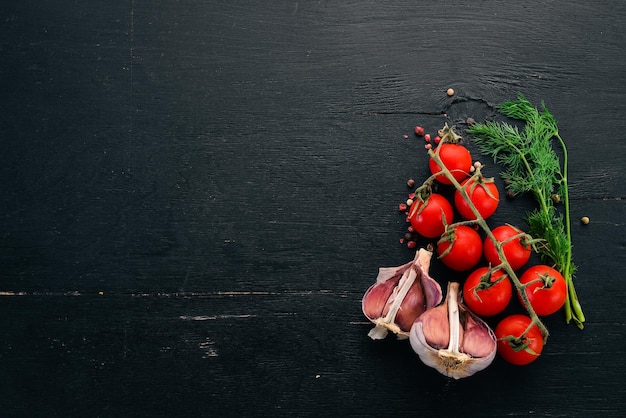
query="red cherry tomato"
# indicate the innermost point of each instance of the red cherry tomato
(456, 158)
(515, 252)
(487, 292)
(483, 194)
(460, 248)
(427, 216)
(548, 291)
(515, 347)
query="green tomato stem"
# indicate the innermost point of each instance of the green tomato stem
(535, 320)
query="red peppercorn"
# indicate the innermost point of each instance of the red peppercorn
(411, 244)
(437, 139)
(427, 137)
(419, 131)
(402, 207)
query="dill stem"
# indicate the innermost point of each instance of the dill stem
(568, 254)
(568, 228)
(571, 302)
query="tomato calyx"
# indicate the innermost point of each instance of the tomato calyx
(478, 180)
(449, 235)
(486, 283)
(547, 281)
(524, 239)
(448, 135)
(423, 192)
(520, 343)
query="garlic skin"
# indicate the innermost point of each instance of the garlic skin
(400, 295)
(452, 339)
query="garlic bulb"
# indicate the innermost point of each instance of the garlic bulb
(400, 295)
(452, 339)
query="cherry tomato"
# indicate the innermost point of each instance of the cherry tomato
(487, 292)
(515, 252)
(460, 248)
(456, 158)
(548, 291)
(427, 216)
(513, 346)
(483, 194)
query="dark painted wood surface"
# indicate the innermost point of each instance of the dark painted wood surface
(194, 196)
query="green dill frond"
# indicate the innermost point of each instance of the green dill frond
(548, 120)
(545, 164)
(531, 165)
(498, 141)
(520, 109)
(550, 226)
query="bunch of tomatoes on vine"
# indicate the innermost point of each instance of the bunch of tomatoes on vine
(494, 259)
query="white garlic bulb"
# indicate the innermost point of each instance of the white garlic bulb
(400, 295)
(452, 339)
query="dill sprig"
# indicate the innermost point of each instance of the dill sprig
(532, 166)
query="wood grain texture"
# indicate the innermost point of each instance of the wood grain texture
(195, 195)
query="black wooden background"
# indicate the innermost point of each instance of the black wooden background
(194, 196)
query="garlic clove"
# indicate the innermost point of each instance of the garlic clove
(436, 328)
(400, 295)
(378, 296)
(411, 307)
(476, 341)
(452, 339)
